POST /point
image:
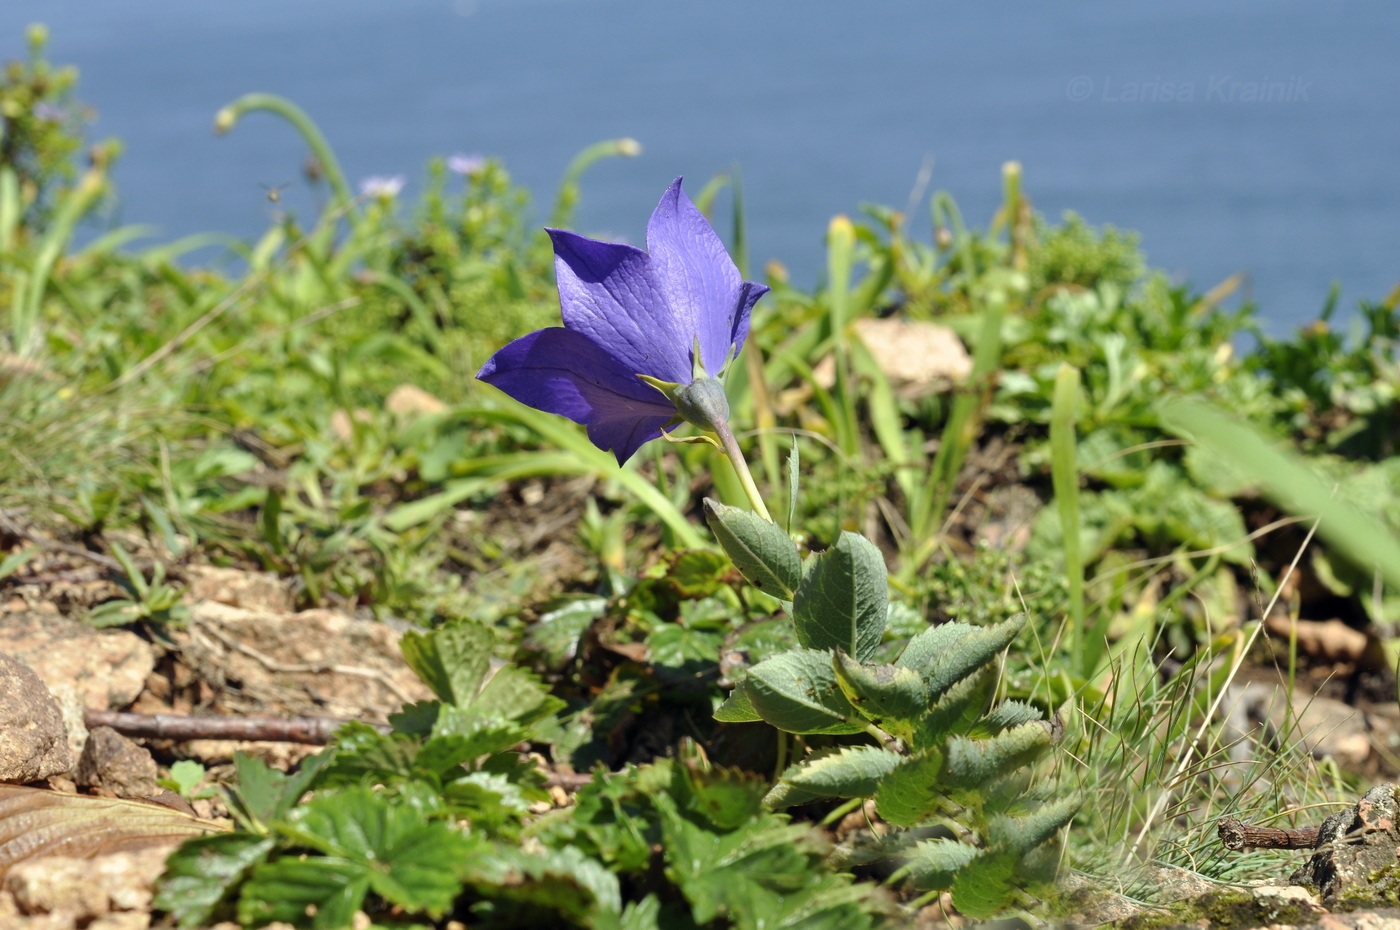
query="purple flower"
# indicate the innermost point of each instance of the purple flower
(382, 188)
(630, 315)
(466, 165)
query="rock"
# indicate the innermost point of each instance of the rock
(1356, 849)
(314, 662)
(1262, 712)
(917, 356)
(237, 588)
(409, 402)
(33, 741)
(115, 764)
(87, 889)
(108, 667)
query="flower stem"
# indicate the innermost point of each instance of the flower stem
(730, 445)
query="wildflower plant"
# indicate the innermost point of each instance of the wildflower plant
(647, 337)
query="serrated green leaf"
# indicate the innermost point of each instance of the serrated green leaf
(923, 650)
(797, 692)
(910, 792)
(984, 888)
(850, 772)
(762, 551)
(966, 653)
(451, 660)
(1023, 834)
(726, 797)
(517, 695)
(737, 708)
(263, 795)
(289, 889)
(566, 880)
(1006, 715)
(202, 872)
(407, 862)
(934, 864)
(958, 710)
(889, 696)
(972, 764)
(842, 601)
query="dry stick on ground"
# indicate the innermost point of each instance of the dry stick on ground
(1237, 835)
(314, 731)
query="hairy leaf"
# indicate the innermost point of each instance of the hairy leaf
(797, 691)
(975, 647)
(972, 764)
(762, 551)
(923, 650)
(566, 881)
(934, 864)
(843, 599)
(959, 710)
(1006, 715)
(988, 885)
(910, 792)
(850, 772)
(1023, 834)
(890, 696)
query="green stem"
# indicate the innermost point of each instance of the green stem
(320, 148)
(730, 445)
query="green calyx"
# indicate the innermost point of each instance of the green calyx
(701, 403)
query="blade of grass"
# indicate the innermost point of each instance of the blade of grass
(1287, 481)
(1064, 474)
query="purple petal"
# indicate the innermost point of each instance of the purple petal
(748, 296)
(608, 293)
(562, 372)
(698, 280)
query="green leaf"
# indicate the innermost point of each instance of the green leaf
(1023, 834)
(843, 599)
(850, 772)
(407, 862)
(15, 561)
(972, 764)
(289, 889)
(1006, 715)
(889, 696)
(762, 551)
(797, 692)
(451, 660)
(909, 793)
(737, 708)
(926, 648)
(517, 695)
(969, 651)
(202, 872)
(264, 795)
(185, 776)
(987, 886)
(567, 881)
(959, 709)
(1288, 481)
(933, 864)
(728, 798)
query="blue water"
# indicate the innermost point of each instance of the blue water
(1256, 136)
